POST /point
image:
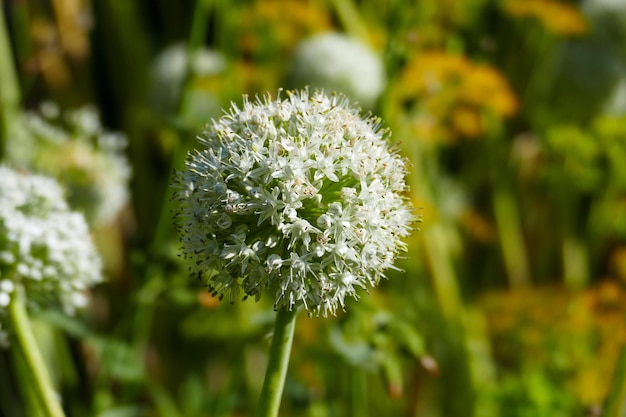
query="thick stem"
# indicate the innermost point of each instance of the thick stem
(277, 366)
(36, 370)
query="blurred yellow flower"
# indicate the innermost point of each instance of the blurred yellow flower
(574, 337)
(281, 22)
(556, 16)
(47, 58)
(73, 26)
(447, 96)
(466, 122)
(484, 85)
(478, 226)
(618, 262)
(429, 70)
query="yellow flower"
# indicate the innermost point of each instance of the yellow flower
(467, 122)
(485, 86)
(444, 96)
(556, 16)
(429, 72)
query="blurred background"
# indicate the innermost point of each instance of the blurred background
(511, 299)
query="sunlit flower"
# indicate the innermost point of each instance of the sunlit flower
(299, 198)
(45, 248)
(74, 148)
(334, 62)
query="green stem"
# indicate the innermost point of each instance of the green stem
(480, 361)
(575, 262)
(199, 27)
(437, 245)
(511, 238)
(27, 345)
(616, 402)
(441, 265)
(277, 366)
(9, 86)
(358, 391)
(199, 24)
(350, 18)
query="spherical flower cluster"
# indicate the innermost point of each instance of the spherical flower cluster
(45, 249)
(298, 197)
(74, 148)
(335, 62)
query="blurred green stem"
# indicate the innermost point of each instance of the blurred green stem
(442, 269)
(358, 391)
(575, 262)
(9, 91)
(9, 87)
(199, 24)
(197, 35)
(27, 346)
(480, 360)
(162, 400)
(511, 239)
(278, 362)
(616, 402)
(23, 389)
(351, 20)
(436, 243)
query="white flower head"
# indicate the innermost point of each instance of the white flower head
(335, 62)
(74, 148)
(296, 198)
(45, 248)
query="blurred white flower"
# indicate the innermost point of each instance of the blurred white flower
(170, 70)
(74, 148)
(615, 104)
(601, 6)
(335, 62)
(45, 248)
(298, 197)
